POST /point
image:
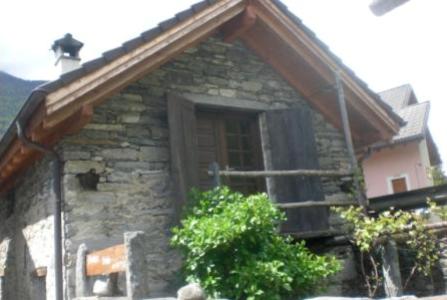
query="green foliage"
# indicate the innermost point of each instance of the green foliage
(438, 176)
(232, 248)
(440, 211)
(13, 93)
(369, 233)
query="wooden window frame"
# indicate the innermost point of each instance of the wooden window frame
(223, 114)
(401, 176)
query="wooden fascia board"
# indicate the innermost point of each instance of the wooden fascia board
(19, 156)
(270, 14)
(207, 20)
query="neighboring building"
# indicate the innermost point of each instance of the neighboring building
(243, 83)
(404, 163)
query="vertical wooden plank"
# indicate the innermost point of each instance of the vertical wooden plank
(292, 146)
(183, 144)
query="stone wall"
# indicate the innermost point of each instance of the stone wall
(127, 145)
(26, 240)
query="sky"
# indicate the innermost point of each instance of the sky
(406, 46)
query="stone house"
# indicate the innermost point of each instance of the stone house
(404, 163)
(125, 136)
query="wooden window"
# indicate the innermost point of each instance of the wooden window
(199, 137)
(231, 139)
(399, 185)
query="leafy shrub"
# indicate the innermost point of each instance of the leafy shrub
(233, 249)
(371, 233)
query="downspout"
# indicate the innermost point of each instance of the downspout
(56, 173)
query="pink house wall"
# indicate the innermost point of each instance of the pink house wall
(402, 160)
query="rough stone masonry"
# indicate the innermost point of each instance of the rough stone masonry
(127, 147)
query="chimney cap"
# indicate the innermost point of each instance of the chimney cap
(68, 45)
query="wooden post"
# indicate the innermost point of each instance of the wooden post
(391, 269)
(348, 140)
(215, 169)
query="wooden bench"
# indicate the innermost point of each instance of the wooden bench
(106, 261)
(128, 257)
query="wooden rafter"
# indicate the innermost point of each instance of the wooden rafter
(238, 26)
(322, 62)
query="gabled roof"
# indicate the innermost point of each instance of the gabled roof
(398, 97)
(267, 27)
(416, 118)
(415, 115)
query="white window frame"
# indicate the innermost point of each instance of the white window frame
(391, 178)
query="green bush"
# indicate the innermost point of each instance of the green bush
(232, 248)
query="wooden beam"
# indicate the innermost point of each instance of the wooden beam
(39, 272)
(70, 124)
(19, 157)
(81, 118)
(266, 52)
(238, 26)
(201, 23)
(411, 199)
(106, 261)
(306, 204)
(278, 173)
(323, 62)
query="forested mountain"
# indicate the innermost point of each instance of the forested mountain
(13, 93)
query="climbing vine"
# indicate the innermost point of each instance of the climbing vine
(371, 233)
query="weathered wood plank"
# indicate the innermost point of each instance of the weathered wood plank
(40, 272)
(183, 144)
(315, 204)
(292, 145)
(106, 261)
(280, 173)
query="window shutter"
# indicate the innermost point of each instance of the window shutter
(289, 144)
(183, 143)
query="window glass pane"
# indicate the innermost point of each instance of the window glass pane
(248, 160)
(246, 143)
(232, 127)
(234, 159)
(233, 142)
(245, 127)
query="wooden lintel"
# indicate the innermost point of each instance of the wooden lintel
(239, 25)
(106, 261)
